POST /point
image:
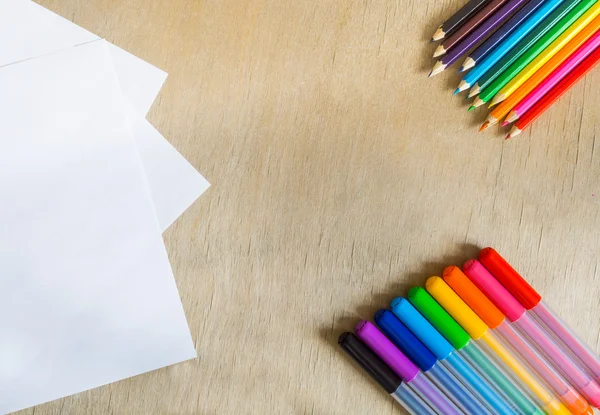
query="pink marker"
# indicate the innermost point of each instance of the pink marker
(554, 78)
(531, 330)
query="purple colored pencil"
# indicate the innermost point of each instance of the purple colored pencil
(501, 34)
(477, 35)
(404, 368)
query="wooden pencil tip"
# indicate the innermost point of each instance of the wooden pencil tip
(438, 35)
(437, 68)
(456, 91)
(467, 64)
(498, 99)
(505, 123)
(478, 102)
(484, 126)
(513, 132)
(439, 51)
(471, 108)
(462, 86)
(512, 117)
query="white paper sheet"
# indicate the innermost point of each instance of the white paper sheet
(28, 30)
(87, 296)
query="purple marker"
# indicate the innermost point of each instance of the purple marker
(404, 368)
(475, 36)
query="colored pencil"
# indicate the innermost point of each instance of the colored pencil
(502, 33)
(468, 27)
(588, 24)
(554, 78)
(590, 35)
(563, 86)
(517, 41)
(458, 18)
(538, 47)
(475, 36)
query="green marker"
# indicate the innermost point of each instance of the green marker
(523, 46)
(461, 341)
(513, 70)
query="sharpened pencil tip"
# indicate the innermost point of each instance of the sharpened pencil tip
(484, 126)
(467, 64)
(437, 68)
(463, 85)
(511, 117)
(515, 131)
(439, 51)
(438, 35)
(471, 108)
(498, 99)
(456, 91)
(505, 123)
(478, 102)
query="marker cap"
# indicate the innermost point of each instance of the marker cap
(494, 290)
(474, 298)
(456, 307)
(422, 328)
(402, 337)
(510, 278)
(438, 317)
(370, 362)
(385, 349)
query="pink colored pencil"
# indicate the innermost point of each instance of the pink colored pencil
(554, 78)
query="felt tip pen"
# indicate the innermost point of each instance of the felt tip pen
(533, 332)
(408, 372)
(534, 304)
(448, 354)
(512, 340)
(480, 332)
(383, 375)
(425, 360)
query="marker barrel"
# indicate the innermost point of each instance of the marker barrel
(486, 394)
(445, 353)
(411, 401)
(494, 374)
(383, 374)
(519, 346)
(567, 338)
(452, 388)
(541, 395)
(585, 385)
(433, 396)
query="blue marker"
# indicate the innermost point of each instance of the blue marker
(426, 361)
(508, 44)
(434, 341)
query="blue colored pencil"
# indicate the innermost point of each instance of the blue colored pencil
(508, 43)
(501, 34)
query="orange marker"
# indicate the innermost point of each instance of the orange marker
(495, 319)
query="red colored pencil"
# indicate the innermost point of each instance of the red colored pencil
(555, 93)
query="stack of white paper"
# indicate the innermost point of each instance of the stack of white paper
(87, 295)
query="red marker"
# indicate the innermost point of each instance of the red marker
(532, 301)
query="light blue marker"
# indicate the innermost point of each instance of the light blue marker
(503, 48)
(442, 349)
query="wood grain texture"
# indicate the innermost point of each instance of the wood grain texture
(341, 176)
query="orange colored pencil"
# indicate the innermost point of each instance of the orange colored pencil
(555, 93)
(508, 104)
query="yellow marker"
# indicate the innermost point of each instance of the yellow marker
(547, 54)
(480, 332)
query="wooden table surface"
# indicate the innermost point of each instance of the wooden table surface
(341, 177)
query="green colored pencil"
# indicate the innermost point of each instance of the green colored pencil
(514, 69)
(522, 46)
